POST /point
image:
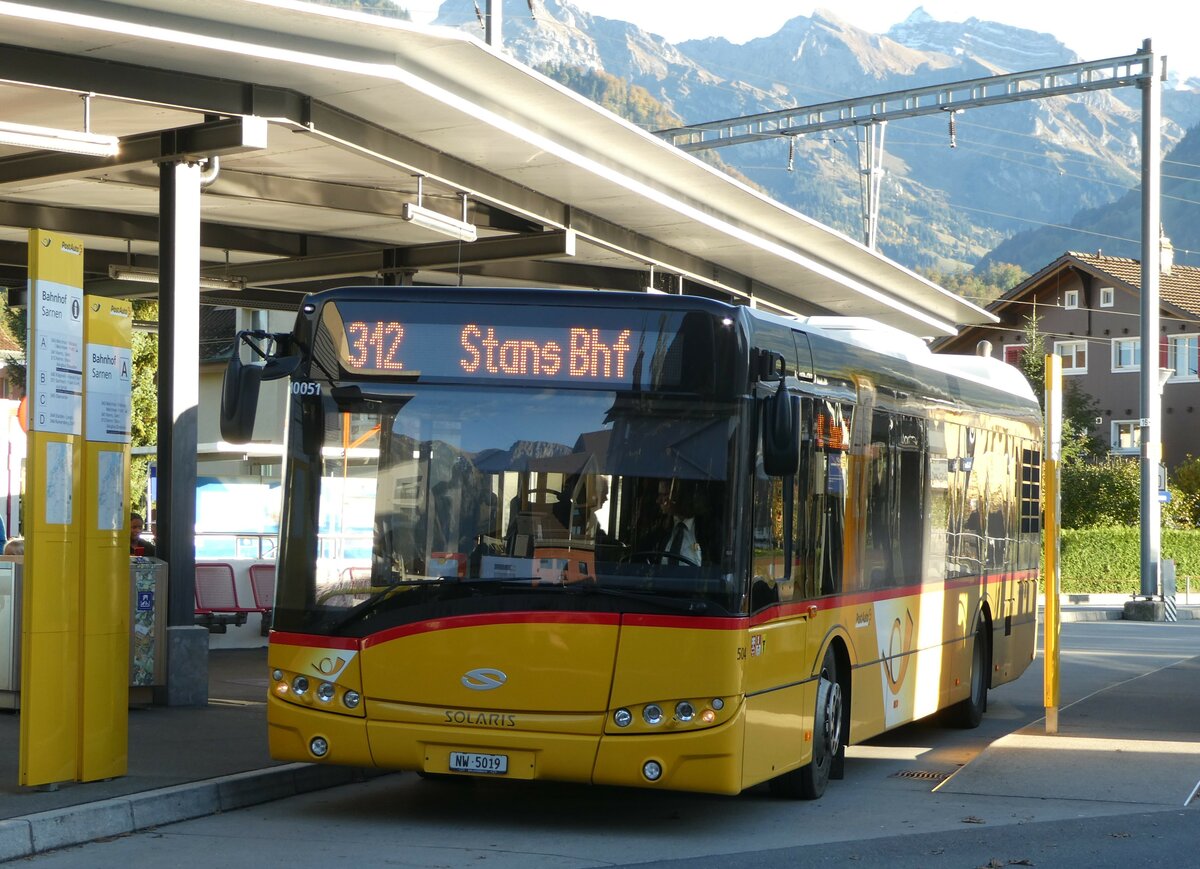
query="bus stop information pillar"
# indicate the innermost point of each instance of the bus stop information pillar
(75, 634)
(104, 602)
(50, 653)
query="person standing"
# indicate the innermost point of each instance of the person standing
(138, 545)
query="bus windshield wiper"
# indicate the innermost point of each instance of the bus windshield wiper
(379, 595)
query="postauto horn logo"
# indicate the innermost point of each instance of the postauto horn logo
(484, 679)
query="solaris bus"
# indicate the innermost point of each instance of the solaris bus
(476, 574)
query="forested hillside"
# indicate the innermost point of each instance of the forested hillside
(1116, 228)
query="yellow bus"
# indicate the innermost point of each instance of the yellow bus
(632, 539)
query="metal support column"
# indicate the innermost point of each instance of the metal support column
(1151, 403)
(179, 393)
(870, 165)
(494, 22)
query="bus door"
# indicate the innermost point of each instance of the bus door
(799, 540)
(776, 655)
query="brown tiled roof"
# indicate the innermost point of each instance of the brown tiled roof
(1181, 288)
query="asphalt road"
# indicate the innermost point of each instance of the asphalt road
(884, 813)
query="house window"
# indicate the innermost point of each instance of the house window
(1126, 354)
(1182, 356)
(1074, 356)
(1071, 299)
(1012, 353)
(1106, 297)
(1126, 436)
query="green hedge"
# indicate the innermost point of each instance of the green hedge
(1108, 560)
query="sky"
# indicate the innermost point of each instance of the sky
(1093, 31)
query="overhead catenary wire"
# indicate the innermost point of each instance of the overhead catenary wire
(997, 150)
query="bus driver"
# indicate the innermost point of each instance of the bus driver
(680, 540)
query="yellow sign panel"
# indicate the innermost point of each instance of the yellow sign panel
(55, 342)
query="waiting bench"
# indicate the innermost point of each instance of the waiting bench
(217, 604)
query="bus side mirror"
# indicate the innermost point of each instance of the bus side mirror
(780, 433)
(239, 400)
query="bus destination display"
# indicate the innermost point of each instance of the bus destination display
(479, 346)
(587, 354)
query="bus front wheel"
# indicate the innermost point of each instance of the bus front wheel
(809, 781)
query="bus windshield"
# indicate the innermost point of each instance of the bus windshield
(444, 500)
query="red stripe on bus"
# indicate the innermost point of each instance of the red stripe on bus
(641, 620)
(781, 610)
(525, 618)
(314, 641)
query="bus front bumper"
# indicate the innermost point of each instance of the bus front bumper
(705, 760)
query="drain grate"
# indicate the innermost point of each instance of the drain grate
(922, 774)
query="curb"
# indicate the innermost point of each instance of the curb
(1109, 614)
(1095, 615)
(87, 822)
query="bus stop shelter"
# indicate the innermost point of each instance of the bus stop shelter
(244, 152)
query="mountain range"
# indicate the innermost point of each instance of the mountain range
(1018, 180)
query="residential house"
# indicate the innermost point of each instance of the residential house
(1089, 310)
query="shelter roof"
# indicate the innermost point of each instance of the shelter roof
(359, 107)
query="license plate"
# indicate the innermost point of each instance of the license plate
(466, 761)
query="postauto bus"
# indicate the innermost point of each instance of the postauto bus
(862, 536)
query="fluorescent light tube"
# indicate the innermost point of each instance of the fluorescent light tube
(436, 222)
(129, 273)
(150, 276)
(49, 139)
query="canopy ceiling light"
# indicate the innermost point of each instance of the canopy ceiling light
(50, 139)
(150, 276)
(435, 221)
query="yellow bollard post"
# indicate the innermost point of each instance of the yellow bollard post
(1050, 535)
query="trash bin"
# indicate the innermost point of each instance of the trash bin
(10, 634)
(147, 629)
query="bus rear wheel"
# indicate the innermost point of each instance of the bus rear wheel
(809, 781)
(968, 713)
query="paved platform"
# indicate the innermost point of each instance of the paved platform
(183, 763)
(1136, 742)
(1122, 744)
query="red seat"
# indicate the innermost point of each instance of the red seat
(216, 590)
(262, 586)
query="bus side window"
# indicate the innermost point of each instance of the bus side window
(776, 518)
(824, 499)
(880, 503)
(772, 508)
